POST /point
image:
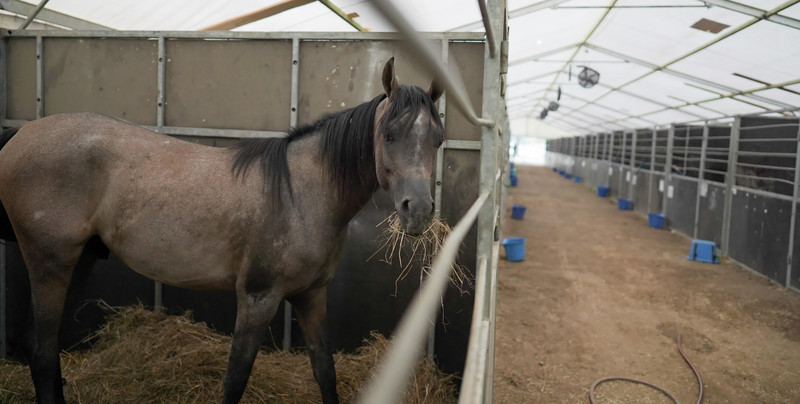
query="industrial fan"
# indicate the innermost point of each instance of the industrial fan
(587, 78)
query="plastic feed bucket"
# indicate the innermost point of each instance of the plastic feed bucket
(515, 248)
(517, 212)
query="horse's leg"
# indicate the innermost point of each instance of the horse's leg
(50, 278)
(253, 314)
(311, 309)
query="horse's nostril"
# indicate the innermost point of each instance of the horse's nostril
(433, 207)
(405, 205)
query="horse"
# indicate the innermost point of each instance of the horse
(265, 218)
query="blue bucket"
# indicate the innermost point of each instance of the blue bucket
(602, 191)
(555, 169)
(561, 172)
(513, 180)
(515, 248)
(656, 220)
(567, 176)
(577, 179)
(624, 204)
(517, 212)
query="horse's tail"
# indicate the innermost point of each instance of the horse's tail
(6, 232)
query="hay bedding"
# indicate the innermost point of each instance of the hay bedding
(141, 356)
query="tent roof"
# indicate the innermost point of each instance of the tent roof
(654, 67)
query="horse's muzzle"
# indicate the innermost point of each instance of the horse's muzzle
(416, 214)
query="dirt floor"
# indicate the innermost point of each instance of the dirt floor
(602, 294)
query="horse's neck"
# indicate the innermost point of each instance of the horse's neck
(312, 176)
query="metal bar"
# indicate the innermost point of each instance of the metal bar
(488, 29)
(667, 168)
(755, 177)
(755, 12)
(33, 15)
(437, 196)
(779, 125)
(793, 222)
(393, 372)
(730, 183)
(633, 165)
(162, 57)
(622, 162)
(3, 306)
(206, 132)
(652, 170)
(763, 193)
(39, 78)
(343, 15)
(3, 76)
(256, 15)
(785, 139)
(462, 144)
(767, 166)
(514, 13)
(766, 154)
(472, 383)
(322, 36)
(23, 8)
(450, 77)
(701, 177)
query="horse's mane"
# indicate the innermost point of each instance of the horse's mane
(347, 144)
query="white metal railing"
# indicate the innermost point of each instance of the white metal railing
(394, 372)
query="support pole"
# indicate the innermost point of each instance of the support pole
(730, 184)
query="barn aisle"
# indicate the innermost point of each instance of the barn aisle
(601, 294)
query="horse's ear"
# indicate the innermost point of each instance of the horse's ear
(436, 90)
(390, 82)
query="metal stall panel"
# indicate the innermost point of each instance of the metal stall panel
(639, 190)
(712, 203)
(759, 235)
(682, 196)
(116, 77)
(21, 70)
(794, 277)
(228, 84)
(335, 75)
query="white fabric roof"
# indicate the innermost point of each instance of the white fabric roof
(654, 68)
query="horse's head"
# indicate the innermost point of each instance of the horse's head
(408, 132)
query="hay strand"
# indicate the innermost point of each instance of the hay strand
(141, 356)
(396, 243)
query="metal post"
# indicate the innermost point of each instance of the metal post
(158, 288)
(3, 306)
(622, 163)
(437, 197)
(730, 184)
(610, 158)
(701, 178)
(633, 165)
(795, 201)
(653, 146)
(39, 78)
(487, 220)
(668, 168)
(287, 307)
(3, 89)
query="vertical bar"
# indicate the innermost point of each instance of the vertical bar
(634, 171)
(437, 195)
(730, 183)
(653, 146)
(622, 163)
(610, 158)
(3, 88)
(795, 201)
(33, 15)
(287, 307)
(162, 53)
(39, 78)
(3, 306)
(668, 167)
(686, 151)
(700, 178)
(490, 141)
(158, 288)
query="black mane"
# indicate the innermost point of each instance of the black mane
(347, 144)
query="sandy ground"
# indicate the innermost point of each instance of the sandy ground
(602, 294)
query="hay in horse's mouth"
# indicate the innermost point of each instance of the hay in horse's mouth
(408, 249)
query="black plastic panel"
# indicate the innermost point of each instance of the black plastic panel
(711, 210)
(681, 207)
(759, 236)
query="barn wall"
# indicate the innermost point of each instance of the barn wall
(217, 90)
(734, 185)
